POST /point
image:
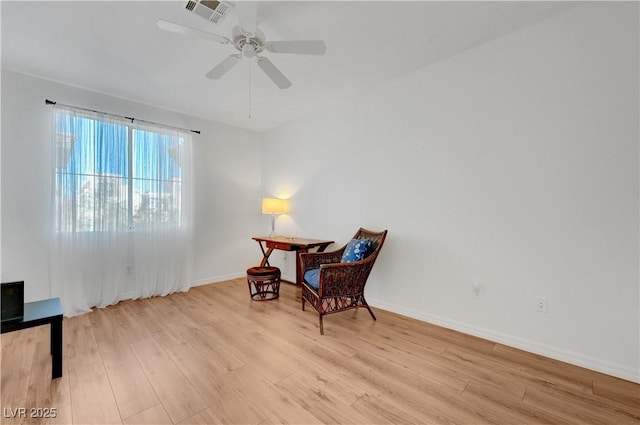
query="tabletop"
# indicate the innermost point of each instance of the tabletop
(302, 242)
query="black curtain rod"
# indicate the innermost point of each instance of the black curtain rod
(51, 102)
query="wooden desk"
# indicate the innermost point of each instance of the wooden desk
(39, 313)
(283, 243)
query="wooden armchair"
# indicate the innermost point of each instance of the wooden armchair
(332, 286)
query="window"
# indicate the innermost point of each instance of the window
(114, 175)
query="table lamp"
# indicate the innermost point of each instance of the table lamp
(274, 207)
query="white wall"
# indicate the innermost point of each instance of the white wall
(226, 183)
(514, 165)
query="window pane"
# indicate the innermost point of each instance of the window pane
(156, 178)
(102, 204)
(91, 174)
(156, 156)
(111, 149)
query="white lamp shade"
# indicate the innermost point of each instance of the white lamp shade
(275, 206)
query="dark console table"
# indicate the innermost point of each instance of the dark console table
(39, 313)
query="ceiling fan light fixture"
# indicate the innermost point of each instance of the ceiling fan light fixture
(248, 50)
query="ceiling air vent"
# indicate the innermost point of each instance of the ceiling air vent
(213, 11)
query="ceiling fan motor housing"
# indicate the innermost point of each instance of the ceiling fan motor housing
(252, 43)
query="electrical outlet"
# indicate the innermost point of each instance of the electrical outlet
(541, 305)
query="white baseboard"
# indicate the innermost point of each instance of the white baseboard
(567, 356)
(217, 279)
(288, 278)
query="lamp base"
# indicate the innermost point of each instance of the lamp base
(273, 226)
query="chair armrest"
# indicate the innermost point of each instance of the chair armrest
(313, 260)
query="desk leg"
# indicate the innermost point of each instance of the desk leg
(56, 348)
(299, 266)
(265, 257)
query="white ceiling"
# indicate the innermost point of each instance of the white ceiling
(116, 48)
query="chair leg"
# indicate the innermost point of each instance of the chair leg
(302, 303)
(321, 327)
(373, 316)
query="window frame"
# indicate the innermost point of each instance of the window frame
(131, 127)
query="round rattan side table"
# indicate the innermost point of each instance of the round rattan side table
(264, 283)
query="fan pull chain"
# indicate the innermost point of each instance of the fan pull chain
(249, 61)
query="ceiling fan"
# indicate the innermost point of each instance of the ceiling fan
(249, 41)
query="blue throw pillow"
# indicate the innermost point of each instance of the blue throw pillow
(356, 250)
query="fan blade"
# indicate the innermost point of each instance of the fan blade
(247, 12)
(224, 66)
(274, 73)
(302, 47)
(181, 29)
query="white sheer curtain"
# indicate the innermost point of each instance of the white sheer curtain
(121, 209)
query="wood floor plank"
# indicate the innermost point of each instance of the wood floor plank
(437, 404)
(143, 316)
(44, 392)
(18, 350)
(102, 324)
(166, 337)
(475, 369)
(618, 391)
(411, 339)
(228, 306)
(131, 387)
(167, 311)
(328, 408)
(518, 372)
(584, 409)
(320, 376)
(176, 393)
(155, 415)
(380, 409)
(130, 326)
(228, 406)
(429, 403)
(206, 417)
(415, 360)
(231, 408)
(276, 406)
(452, 338)
(201, 309)
(509, 406)
(63, 416)
(212, 345)
(91, 395)
(550, 370)
(272, 368)
(80, 346)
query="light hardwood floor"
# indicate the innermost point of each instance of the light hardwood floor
(212, 356)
